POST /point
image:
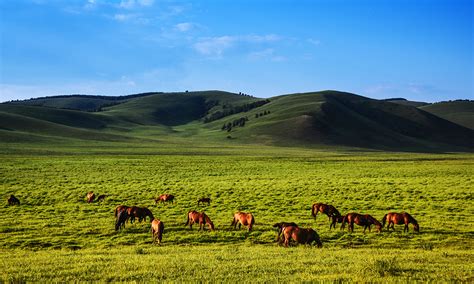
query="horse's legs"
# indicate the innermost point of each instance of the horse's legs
(240, 225)
(406, 228)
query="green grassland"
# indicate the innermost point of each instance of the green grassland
(55, 235)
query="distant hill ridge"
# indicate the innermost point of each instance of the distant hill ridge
(307, 119)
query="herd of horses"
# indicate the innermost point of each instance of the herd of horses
(287, 231)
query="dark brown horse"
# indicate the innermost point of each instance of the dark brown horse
(101, 197)
(204, 200)
(139, 212)
(164, 198)
(361, 220)
(119, 209)
(122, 217)
(335, 220)
(157, 228)
(329, 210)
(242, 218)
(200, 218)
(400, 219)
(90, 197)
(280, 227)
(12, 200)
(301, 236)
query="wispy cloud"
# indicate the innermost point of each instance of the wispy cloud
(266, 54)
(131, 4)
(314, 42)
(184, 27)
(215, 46)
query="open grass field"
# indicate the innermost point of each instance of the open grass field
(55, 235)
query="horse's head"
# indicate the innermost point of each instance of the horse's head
(416, 227)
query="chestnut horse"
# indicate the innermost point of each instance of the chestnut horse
(12, 200)
(400, 219)
(301, 236)
(361, 220)
(329, 210)
(90, 197)
(122, 217)
(242, 218)
(280, 227)
(164, 198)
(204, 200)
(139, 212)
(201, 218)
(157, 228)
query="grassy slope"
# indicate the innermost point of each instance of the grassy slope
(460, 112)
(311, 119)
(56, 236)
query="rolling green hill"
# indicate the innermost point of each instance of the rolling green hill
(309, 119)
(459, 111)
(402, 101)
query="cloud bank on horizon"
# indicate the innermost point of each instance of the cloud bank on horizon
(420, 50)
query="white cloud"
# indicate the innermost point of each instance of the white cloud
(314, 42)
(266, 54)
(124, 17)
(215, 46)
(130, 4)
(184, 27)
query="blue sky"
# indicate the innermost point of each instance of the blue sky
(420, 50)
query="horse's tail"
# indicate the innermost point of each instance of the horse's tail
(252, 222)
(187, 221)
(384, 219)
(161, 229)
(312, 211)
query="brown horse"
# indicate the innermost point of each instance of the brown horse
(90, 197)
(139, 212)
(361, 220)
(201, 218)
(301, 236)
(204, 200)
(157, 228)
(12, 200)
(400, 219)
(119, 209)
(280, 227)
(101, 197)
(242, 218)
(335, 220)
(122, 217)
(329, 210)
(164, 198)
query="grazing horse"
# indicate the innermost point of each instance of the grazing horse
(361, 220)
(280, 227)
(101, 197)
(119, 209)
(400, 219)
(157, 228)
(201, 218)
(329, 210)
(204, 200)
(90, 197)
(12, 200)
(242, 218)
(301, 236)
(139, 212)
(122, 217)
(335, 220)
(164, 198)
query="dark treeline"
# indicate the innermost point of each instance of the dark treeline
(233, 110)
(257, 115)
(236, 123)
(108, 98)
